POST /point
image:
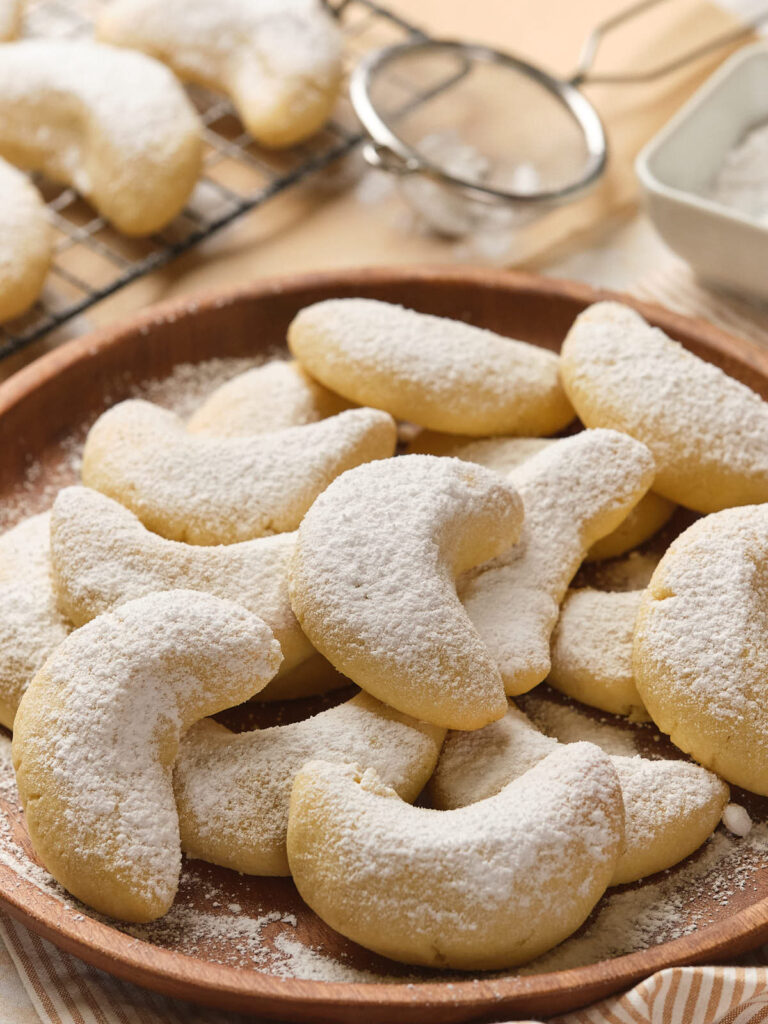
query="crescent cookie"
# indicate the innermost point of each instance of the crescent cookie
(31, 625)
(26, 242)
(113, 124)
(708, 433)
(482, 887)
(372, 582)
(267, 398)
(98, 730)
(591, 651)
(102, 557)
(209, 490)
(505, 454)
(438, 373)
(574, 493)
(670, 807)
(279, 61)
(233, 789)
(700, 645)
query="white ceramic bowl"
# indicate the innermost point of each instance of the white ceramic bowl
(724, 246)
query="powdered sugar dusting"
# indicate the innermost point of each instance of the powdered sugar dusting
(569, 723)
(667, 907)
(574, 492)
(31, 625)
(25, 236)
(207, 490)
(270, 397)
(98, 728)
(233, 790)
(675, 904)
(106, 120)
(707, 431)
(102, 557)
(515, 870)
(275, 56)
(700, 643)
(418, 367)
(389, 618)
(181, 391)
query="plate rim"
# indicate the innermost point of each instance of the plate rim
(251, 990)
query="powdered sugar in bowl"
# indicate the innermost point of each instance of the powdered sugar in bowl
(703, 175)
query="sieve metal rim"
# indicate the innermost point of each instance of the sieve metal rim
(387, 150)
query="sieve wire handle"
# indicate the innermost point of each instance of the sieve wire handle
(585, 76)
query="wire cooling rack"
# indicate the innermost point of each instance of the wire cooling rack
(91, 260)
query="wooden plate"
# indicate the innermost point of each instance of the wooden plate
(55, 396)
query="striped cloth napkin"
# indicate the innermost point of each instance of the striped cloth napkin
(39, 983)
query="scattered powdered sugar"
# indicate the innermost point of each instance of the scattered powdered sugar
(666, 907)
(189, 384)
(181, 391)
(737, 820)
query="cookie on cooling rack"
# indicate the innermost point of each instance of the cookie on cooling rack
(114, 124)
(26, 242)
(280, 63)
